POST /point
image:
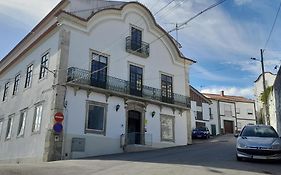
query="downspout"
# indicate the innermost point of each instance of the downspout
(219, 117)
(236, 127)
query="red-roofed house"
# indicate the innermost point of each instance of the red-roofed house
(234, 112)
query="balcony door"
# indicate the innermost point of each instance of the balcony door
(99, 71)
(136, 39)
(136, 74)
(167, 89)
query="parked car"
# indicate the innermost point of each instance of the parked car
(201, 132)
(258, 142)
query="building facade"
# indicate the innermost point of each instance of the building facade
(115, 74)
(234, 112)
(275, 99)
(258, 90)
(202, 113)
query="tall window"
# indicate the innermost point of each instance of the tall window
(167, 88)
(167, 128)
(44, 66)
(37, 118)
(6, 89)
(9, 127)
(136, 74)
(199, 115)
(16, 84)
(22, 120)
(96, 121)
(28, 78)
(99, 70)
(1, 126)
(210, 113)
(136, 39)
(227, 110)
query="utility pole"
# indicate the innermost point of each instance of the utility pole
(267, 120)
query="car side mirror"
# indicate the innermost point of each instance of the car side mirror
(236, 135)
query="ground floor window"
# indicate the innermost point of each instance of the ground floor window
(37, 118)
(22, 123)
(1, 126)
(9, 127)
(167, 128)
(96, 117)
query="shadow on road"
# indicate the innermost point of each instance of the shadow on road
(214, 153)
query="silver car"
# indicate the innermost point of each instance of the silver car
(258, 142)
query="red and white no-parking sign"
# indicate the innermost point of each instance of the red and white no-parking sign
(59, 117)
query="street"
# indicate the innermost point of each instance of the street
(214, 156)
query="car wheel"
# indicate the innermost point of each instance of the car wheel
(238, 158)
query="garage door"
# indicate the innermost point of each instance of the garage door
(228, 126)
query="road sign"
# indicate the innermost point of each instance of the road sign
(59, 117)
(58, 127)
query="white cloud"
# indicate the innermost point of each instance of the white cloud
(27, 11)
(244, 92)
(242, 2)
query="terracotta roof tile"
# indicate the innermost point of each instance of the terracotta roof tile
(228, 98)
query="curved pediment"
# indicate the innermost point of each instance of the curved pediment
(125, 13)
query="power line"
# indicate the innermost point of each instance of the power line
(163, 7)
(165, 34)
(273, 25)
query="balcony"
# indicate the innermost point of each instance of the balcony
(119, 87)
(140, 49)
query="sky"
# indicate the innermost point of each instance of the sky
(222, 40)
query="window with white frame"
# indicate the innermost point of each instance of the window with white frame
(1, 126)
(37, 118)
(28, 77)
(227, 110)
(44, 65)
(16, 84)
(96, 117)
(238, 110)
(167, 128)
(250, 111)
(9, 127)
(6, 89)
(22, 120)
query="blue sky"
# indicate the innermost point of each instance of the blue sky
(222, 40)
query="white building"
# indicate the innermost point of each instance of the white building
(202, 112)
(258, 89)
(234, 112)
(115, 74)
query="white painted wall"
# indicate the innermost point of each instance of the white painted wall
(31, 146)
(244, 116)
(272, 110)
(107, 34)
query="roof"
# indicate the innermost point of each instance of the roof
(261, 75)
(228, 98)
(200, 94)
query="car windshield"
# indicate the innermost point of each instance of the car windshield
(258, 131)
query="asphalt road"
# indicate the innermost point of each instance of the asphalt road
(215, 156)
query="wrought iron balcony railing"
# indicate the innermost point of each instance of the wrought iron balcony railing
(84, 77)
(138, 48)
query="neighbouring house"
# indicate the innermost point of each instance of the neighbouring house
(258, 90)
(234, 112)
(275, 103)
(202, 113)
(115, 77)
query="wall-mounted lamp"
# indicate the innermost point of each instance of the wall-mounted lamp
(152, 114)
(117, 107)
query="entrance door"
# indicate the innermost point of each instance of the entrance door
(214, 130)
(228, 127)
(134, 127)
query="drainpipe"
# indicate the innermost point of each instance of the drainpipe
(236, 126)
(219, 117)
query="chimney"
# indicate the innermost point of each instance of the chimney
(222, 93)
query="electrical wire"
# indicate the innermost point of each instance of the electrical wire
(272, 28)
(163, 7)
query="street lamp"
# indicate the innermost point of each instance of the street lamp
(264, 86)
